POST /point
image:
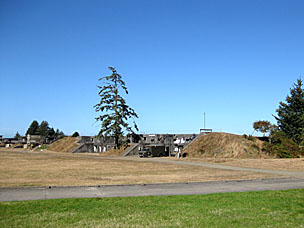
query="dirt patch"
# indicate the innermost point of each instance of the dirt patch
(65, 145)
(19, 168)
(224, 145)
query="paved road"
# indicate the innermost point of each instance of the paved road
(38, 193)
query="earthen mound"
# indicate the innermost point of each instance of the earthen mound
(224, 145)
(65, 145)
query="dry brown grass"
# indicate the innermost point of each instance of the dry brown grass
(224, 145)
(65, 145)
(19, 168)
(115, 152)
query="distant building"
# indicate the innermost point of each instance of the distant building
(172, 143)
(25, 142)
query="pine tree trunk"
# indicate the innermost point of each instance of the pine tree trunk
(116, 116)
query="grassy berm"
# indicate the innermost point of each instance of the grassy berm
(238, 210)
(224, 145)
(65, 145)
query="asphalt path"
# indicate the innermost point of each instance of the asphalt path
(40, 193)
(287, 173)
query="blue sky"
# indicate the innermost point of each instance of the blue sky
(234, 60)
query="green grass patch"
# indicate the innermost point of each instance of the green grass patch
(248, 209)
(42, 147)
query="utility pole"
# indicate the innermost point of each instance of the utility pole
(204, 120)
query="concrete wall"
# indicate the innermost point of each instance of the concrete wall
(172, 142)
(133, 150)
(84, 148)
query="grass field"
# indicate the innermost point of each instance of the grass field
(248, 209)
(43, 168)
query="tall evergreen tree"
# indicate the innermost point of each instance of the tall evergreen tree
(291, 114)
(43, 128)
(114, 110)
(51, 132)
(33, 128)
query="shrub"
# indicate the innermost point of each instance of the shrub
(76, 134)
(42, 147)
(255, 147)
(251, 138)
(287, 148)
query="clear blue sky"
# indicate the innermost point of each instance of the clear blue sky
(234, 60)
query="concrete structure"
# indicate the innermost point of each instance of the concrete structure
(172, 143)
(93, 144)
(35, 140)
(205, 131)
(24, 142)
(1, 142)
(8, 142)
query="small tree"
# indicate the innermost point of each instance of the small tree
(33, 128)
(114, 110)
(262, 126)
(59, 134)
(17, 135)
(291, 114)
(75, 134)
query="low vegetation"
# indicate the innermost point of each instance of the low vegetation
(42, 147)
(283, 147)
(248, 209)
